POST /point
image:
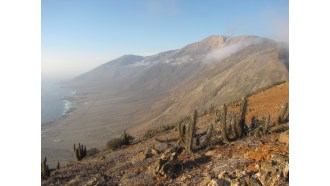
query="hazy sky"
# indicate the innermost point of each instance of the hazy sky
(78, 35)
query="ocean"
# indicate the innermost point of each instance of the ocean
(53, 102)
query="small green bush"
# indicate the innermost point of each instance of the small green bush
(124, 139)
(149, 133)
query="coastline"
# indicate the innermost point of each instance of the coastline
(93, 120)
(96, 117)
(69, 106)
(52, 146)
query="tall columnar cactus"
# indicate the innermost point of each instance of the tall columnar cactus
(191, 132)
(208, 134)
(45, 172)
(79, 152)
(187, 132)
(266, 124)
(222, 117)
(242, 122)
(234, 127)
(182, 131)
(284, 115)
(58, 165)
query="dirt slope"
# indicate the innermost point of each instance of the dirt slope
(251, 160)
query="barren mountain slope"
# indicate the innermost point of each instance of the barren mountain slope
(135, 93)
(251, 160)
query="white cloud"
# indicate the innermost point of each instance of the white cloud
(228, 50)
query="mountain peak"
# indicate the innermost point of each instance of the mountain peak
(214, 38)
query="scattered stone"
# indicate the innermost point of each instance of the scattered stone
(210, 153)
(206, 180)
(219, 182)
(284, 137)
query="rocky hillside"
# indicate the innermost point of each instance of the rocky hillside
(252, 152)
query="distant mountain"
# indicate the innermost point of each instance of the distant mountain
(163, 87)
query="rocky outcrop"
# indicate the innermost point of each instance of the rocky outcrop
(274, 172)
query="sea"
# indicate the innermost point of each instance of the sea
(54, 100)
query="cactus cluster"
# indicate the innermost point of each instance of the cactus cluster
(45, 171)
(189, 137)
(126, 138)
(79, 152)
(264, 127)
(232, 126)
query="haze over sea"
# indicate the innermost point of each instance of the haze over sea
(53, 106)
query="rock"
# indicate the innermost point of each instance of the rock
(274, 172)
(253, 181)
(222, 175)
(101, 158)
(139, 157)
(219, 182)
(206, 180)
(286, 172)
(168, 165)
(144, 155)
(166, 154)
(154, 152)
(170, 169)
(210, 153)
(284, 137)
(235, 183)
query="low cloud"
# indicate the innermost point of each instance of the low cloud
(228, 50)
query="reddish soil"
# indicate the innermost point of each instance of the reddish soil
(268, 102)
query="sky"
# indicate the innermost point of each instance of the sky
(78, 35)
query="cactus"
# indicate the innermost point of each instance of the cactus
(242, 121)
(236, 127)
(258, 132)
(188, 133)
(266, 125)
(222, 117)
(79, 152)
(209, 134)
(197, 141)
(284, 115)
(126, 138)
(191, 132)
(58, 165)
(182, 131)
(45, 172)
(233, 127)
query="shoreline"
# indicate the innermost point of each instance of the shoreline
(70, 100)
